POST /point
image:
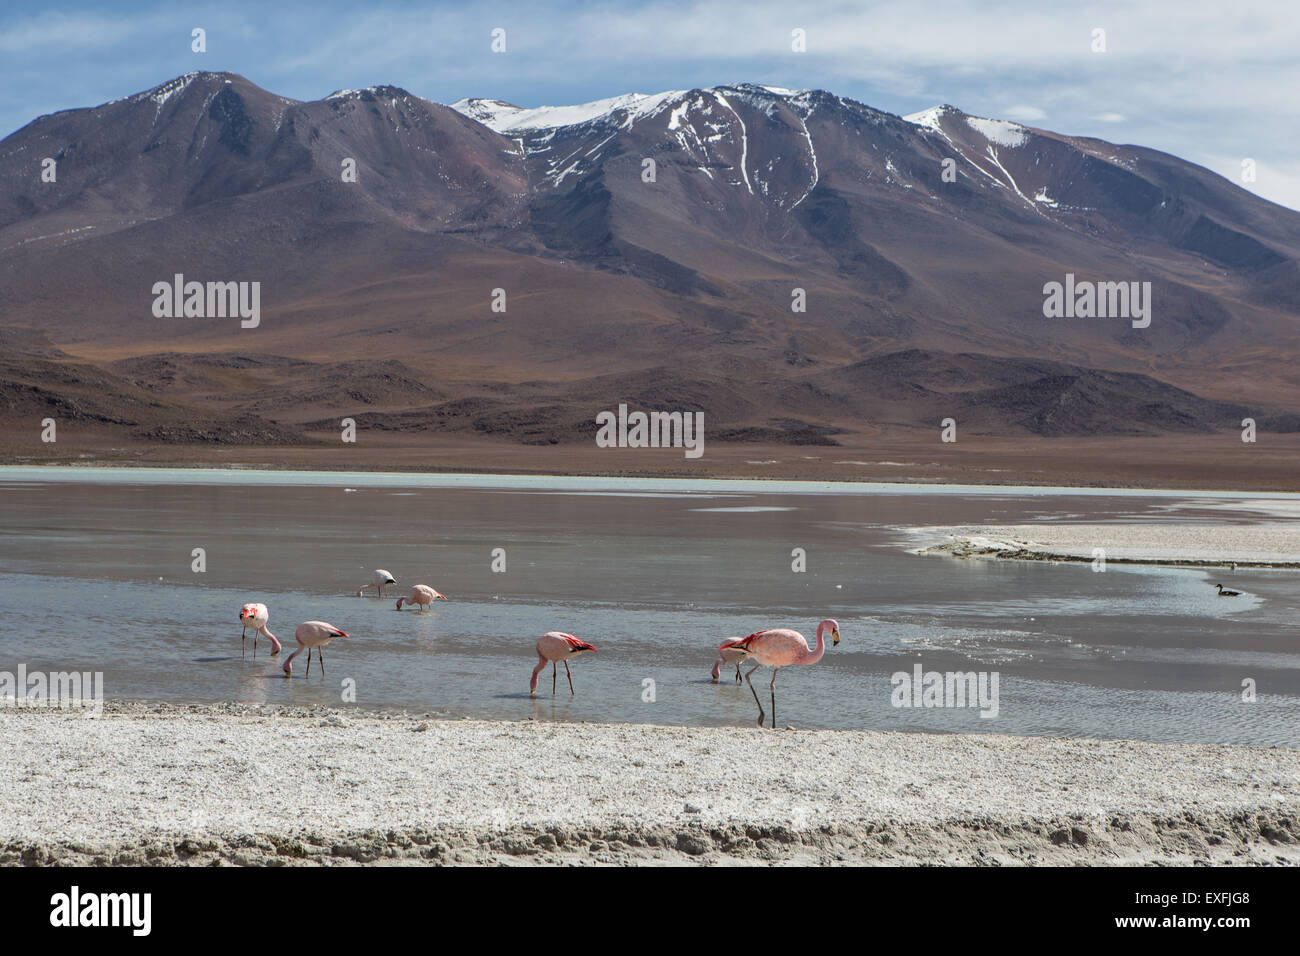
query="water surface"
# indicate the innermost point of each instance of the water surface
(95, 574)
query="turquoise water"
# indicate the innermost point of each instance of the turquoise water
(95, 574)
(250, 477)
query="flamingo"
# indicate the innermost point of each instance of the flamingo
(312, 634)
(256, 616)
(780, 647)
(421, 594)
(378, 578)
(728, 655)
(553, 647)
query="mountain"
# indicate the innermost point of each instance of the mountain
(649, 248)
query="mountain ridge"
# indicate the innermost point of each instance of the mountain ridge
(922, 236)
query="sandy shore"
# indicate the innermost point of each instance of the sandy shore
(164, 784)
(1268, 544)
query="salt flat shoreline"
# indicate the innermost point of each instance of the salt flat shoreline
(164, 784)
(1263, 544)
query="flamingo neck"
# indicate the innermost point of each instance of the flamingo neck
(541, 663)
(813, 656)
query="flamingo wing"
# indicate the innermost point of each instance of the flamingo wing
(746, 644)
(575, 643)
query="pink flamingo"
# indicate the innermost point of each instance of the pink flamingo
(256, 616)
(553, 647)
(780, 647)
(421, 594)
(312, 634)
(378, 578)
(727, 654)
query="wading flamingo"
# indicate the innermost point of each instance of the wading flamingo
(728, 655)
(553, 647)
(780, 647)
(256, 616)
(378, 579)
(421, 594)
(312, 634)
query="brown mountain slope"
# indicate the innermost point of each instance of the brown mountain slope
(376, 295)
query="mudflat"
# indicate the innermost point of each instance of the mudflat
(162, 784)
(1218, 462)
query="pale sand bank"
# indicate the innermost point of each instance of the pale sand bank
(1266, 544)
(162, 784)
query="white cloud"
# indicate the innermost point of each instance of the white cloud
(59, 31)
(1023, 113)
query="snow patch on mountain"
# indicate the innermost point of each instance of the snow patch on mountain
(929, 119)
(164, 92)
(744, 141)
(506, 117)
(621, 110)
(1001, 132)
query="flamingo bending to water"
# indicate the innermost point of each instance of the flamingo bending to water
(780, 647)
(378, 578)
(421, 594)
(256, 616)
(553, 647)
(727, 654)
(312, 634)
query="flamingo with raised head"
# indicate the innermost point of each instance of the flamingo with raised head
(421, 594)
(256, 616)
(378, 579)
(312, 634)
(780, 647)
(727, 654)
(552, 648)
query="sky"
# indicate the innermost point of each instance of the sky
(1213, 82)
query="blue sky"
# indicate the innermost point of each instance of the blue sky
(1212, 82)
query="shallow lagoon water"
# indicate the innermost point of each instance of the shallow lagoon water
(95, 574)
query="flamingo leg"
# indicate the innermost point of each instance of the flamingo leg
(773, 687)
(570, 676)
(309, 662)
(555, 668)
(241, 644)
(737, 672)
(320, 657)
(255, 645)
(761, 715)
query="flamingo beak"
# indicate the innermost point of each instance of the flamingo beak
(836, 635)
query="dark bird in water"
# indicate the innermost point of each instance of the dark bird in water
(1223, 592)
